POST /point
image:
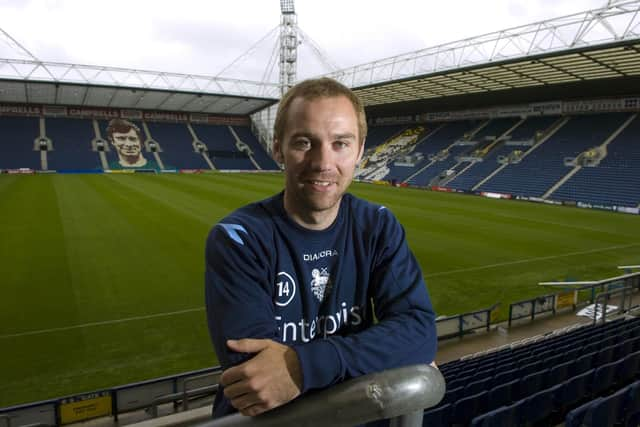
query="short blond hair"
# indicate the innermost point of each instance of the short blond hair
(318, 88)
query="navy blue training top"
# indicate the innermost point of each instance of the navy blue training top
(318, 291)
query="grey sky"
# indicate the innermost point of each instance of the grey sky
(204, 36)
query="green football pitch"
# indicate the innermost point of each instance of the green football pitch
(101, 276)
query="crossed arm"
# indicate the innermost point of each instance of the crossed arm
(270, 379)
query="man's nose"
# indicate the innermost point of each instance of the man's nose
(322, 156)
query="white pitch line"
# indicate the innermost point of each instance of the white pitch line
(106, 322)
(524, 261)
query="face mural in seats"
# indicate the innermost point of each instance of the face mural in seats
(127, 141)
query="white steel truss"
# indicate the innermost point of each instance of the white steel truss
(34, 70)
(618, 21)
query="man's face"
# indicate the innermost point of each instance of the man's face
(320, 151)
(128, 144)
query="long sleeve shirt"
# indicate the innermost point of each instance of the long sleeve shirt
(350, 299)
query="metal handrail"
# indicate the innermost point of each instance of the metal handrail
(401, 394)
(184, 395)
(606, 296)
(187, 381)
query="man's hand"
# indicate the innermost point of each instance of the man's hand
(270, 379)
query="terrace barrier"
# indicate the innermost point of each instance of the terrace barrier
(568, 298)
(400, 394)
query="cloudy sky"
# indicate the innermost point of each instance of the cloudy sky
(205, 36)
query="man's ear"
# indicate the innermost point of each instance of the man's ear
(276, 151)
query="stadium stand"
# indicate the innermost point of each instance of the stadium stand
(263, 158)
(71, 140)
(17, 143)
(177, 147)
(222, 147)
(380, 134)
(546, 382)
(615, 180)
(544, 165)
(440, 152)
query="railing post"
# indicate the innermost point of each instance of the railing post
(413, 419)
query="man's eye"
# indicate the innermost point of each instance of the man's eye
(301, 144)
(341, 144)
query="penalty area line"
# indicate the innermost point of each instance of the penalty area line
(105, 322)
(527, 260)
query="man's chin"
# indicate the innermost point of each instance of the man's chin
(322, 203)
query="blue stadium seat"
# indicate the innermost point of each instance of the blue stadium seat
(603, 378)
(504, 394)
(630, 368)
(603, 356)
(533, 383)
(468, 408)
(531, 368)
(437, 417)
(560, 372)
(583, 363)
(632, 406)
(573, 391)
(608, 411)
(537, 408)
(505, 376)
(482, 374)
(453, 395)
(476, 387)
(577, 416)
(506, 416)
(622, 349)
(572, 355)
(554, 360)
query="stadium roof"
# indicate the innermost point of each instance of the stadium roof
(586, 46)
(34, 81)
(601, 45)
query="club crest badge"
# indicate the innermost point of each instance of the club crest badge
(320, 283)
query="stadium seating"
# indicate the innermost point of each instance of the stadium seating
(71, 140)
(177, 147)
(17, 136)
(462, 155)
(222, 147)
(615, 180)
(530, 385)
(260, 155)
(524, 132)
(544, 165)
(443, 139)
(380, 134)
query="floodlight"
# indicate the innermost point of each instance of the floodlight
(286, 6)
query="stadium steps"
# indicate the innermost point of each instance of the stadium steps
(104, 163)
(239, 141)
(603, 146)
(495, 145)
(431, 163)
(196, 140)
(156, 154)
(554, 128)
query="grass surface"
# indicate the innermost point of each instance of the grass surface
(102, 275)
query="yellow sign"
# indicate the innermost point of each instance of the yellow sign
(85, 407)
(566, 299)
(119, 171)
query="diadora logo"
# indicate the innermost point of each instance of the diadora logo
(319, 255)
(285, 289)
(232, 231)
(320, 283)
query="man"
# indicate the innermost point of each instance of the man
(312, 286)
(127, 140)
